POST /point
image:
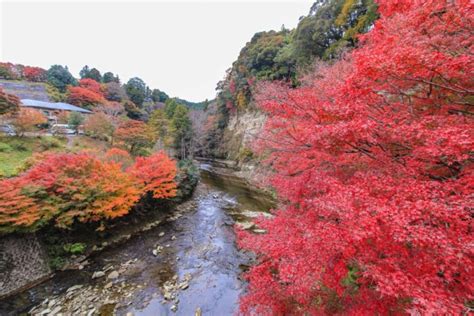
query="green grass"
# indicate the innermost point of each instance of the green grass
(23, 148)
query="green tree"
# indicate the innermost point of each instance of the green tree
(159, 96)
(84, 72)
(170, 107)
(160, 124)
(60, 77)
(136, 90)
(90, 73)
(94, 74)
(181, 130)
(331, 26)
(110, 77)
(75, 120)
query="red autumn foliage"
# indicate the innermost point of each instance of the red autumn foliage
(35, 74)
(156, 174)
(92, 85)
(373, 161)
(84, 97)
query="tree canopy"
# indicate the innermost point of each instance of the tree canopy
(60, 77)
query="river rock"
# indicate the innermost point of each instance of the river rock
(74, 287)
(113, 275)
(161, 234)
(173, 237)
(245, 225)
(91, 312)
(56, 310)
(108, 285)
(98, 274)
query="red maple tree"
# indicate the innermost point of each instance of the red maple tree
(84, 97)
(35, 74)
(156, 174)
(91, 85)
(374, 167)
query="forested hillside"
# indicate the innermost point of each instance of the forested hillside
(328, 31)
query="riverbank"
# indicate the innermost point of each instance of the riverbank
(188, 261)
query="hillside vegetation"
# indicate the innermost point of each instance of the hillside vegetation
(329, 30)
(372, 159)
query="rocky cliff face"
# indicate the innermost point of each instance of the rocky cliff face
(241, 131)
(234, 144)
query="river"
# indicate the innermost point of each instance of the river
(189, 265)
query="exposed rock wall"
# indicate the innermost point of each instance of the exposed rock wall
(241, 132)
(23, 262)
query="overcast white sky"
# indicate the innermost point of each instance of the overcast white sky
(180, 47)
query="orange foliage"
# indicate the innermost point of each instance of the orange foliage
(84, 97)
(66, 188)
(69, 188)
(26, 120)
(9, 103)
(119, 156)
(135, 134)
(92, 85)
(156, 174)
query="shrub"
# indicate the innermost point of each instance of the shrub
(245, 154)
(75, 248)
(4, 148)
(47, 143)
(18, 145)
(70, 188)
(65, 188)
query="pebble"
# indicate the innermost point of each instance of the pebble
(198, 312)
(98, 274)
(174, 308)
(161, 234)
(108, 285)
(74, 287)
(113, 275)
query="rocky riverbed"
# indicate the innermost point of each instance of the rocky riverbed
(187, 265)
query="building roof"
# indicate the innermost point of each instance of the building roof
(52, 106)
